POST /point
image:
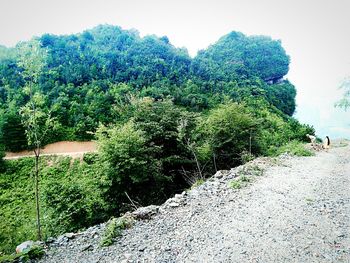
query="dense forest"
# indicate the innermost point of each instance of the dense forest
(162, 120)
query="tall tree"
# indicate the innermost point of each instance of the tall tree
(345, 101)
(35, 118)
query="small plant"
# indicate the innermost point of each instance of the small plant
(246, 157)
(197, 183)
(245, 179)
(251, 170)
(235, 184)
(114, 229)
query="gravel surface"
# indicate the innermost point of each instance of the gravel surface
(297, 211)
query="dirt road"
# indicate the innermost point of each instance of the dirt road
(69, 148)
(298, 211)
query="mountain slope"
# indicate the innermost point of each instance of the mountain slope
(298, 211)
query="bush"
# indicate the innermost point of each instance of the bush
(228, 130)
(72, 196)
(127, 162)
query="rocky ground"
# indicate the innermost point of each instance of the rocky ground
(298, 210)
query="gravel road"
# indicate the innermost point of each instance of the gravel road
(297, 211)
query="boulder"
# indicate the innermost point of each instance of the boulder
(25, 246)
(145, 212)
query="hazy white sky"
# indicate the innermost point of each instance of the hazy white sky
(315, 33)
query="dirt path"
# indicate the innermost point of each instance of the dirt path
(69, 148)
(299, 211)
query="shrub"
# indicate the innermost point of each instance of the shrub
(228, 129)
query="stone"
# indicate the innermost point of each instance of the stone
(173, 204)
(220, 174)
(25, 246)
(87, 247)
(70, 235)
(145, 212)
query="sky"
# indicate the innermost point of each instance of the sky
(315, 33)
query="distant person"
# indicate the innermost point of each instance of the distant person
(326, 143)
(312, 139)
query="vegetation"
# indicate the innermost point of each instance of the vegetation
(294, 148)
(345, 101)
(114, 228)
(36, 122)
(161, 119)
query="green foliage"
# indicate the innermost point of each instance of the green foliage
(2, 155)
(125, 160)
(12, 132)
(246, 157)
(157, 114)
(228, 130)
(235, 184)
(84, 76)
(114, 229)
(294, 148)
(345, 101)
(250, 170)
(72, 195)
(245, 175)
(197, 183)
(237, 56)
(17, 217)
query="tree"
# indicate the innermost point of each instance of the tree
(127, 162)
(35, 118)
(228, 131)
(2, 153)
(345, 101)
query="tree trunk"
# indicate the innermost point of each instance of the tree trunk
(37, 194)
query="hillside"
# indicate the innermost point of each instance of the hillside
(86, 76)
(162, 122)
(291, 209)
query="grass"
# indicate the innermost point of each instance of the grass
(114, 229)
(294, 148)
(197, 183)
(242, 181)
(250, 170)
(245, 175)
(235, 184)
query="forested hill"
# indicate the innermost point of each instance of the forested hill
(162, 120)
(82, 72)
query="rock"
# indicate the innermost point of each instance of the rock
(173, 204)
(69, 235)
(25, 246)
(61, 240)
(145, 212)
(221, 173)
(87, 247)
